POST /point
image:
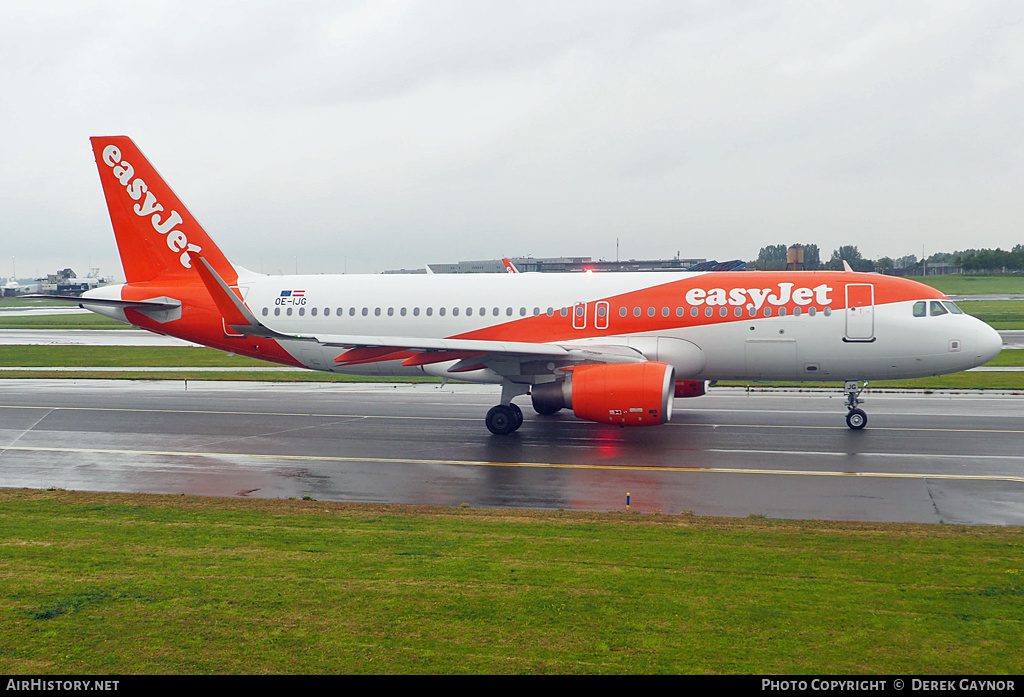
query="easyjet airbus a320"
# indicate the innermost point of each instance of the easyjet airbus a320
(616, 348)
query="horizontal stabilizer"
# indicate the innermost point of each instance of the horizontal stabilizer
(109, 302)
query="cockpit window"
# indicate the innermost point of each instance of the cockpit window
(937, 309)
(952, 307)
(920, 308)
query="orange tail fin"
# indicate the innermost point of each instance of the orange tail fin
(156, 235)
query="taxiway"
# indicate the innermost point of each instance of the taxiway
(954, 458)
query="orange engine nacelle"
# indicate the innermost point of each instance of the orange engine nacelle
(691, 388)
(627, 394)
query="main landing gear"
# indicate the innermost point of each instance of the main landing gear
(855, 418)
(504, 419)
(507, 417)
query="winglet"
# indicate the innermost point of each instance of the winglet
(846, 267)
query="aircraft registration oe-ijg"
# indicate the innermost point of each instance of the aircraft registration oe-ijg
(616, 348)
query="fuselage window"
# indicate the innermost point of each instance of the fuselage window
(483, 311)
(767, 312)
(694, 312)
(277, 312)
(920, 308)
(312, 311)
(564, 312)
(415, 312)
(782, 312)
(430, 311)
(266, 312)
(469, 312)
(327, 311)
(636, 311)
(376, 312)
(494, 312)
(536, 312)
(366, 311)
(664, 312)
(601, 311)
(579, 311)
(289, 312)
(937, 309)
(827, 311)
(796, 311)
(650, 312)
(622, 312)
(441, 311)
(724, 312)
(812, 311)
(708, 311)
(302, 312)
(455, 312)
(522, 312)
(351, 312)
(391, 312)
(753, 310)
(680, 312)
(508, 311)
(738, 312)
(551, 312)
(402, 312)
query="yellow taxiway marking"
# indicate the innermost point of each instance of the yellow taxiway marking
(531, 465)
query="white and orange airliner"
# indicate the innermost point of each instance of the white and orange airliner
(614, 347)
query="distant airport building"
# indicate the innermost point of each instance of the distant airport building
(576, 265)
(67, 282)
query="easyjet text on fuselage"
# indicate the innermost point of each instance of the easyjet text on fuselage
(782, 293)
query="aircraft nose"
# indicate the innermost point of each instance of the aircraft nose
(986, 343)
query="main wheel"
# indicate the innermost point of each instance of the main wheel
(519, 415)
(501, 420)
(856, 419)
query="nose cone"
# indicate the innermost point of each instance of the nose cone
(985, 343)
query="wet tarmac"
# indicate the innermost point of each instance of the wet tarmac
(954, 458)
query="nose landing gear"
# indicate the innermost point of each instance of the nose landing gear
(855, 418)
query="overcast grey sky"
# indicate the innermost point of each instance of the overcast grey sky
(383, 134)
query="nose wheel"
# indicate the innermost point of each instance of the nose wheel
(855, 418)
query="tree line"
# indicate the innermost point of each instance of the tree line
(774, 258)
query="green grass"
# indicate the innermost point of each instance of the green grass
(17, 301)
(957, 381)
(957, 284)
(79, 321)
(86, 357)
(1001, 314)
(123, 356)
(122, 584)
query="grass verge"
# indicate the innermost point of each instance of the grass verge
(959, 284)
(85, 357)
(113, 583)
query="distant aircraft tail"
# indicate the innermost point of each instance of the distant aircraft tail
(157, 237)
